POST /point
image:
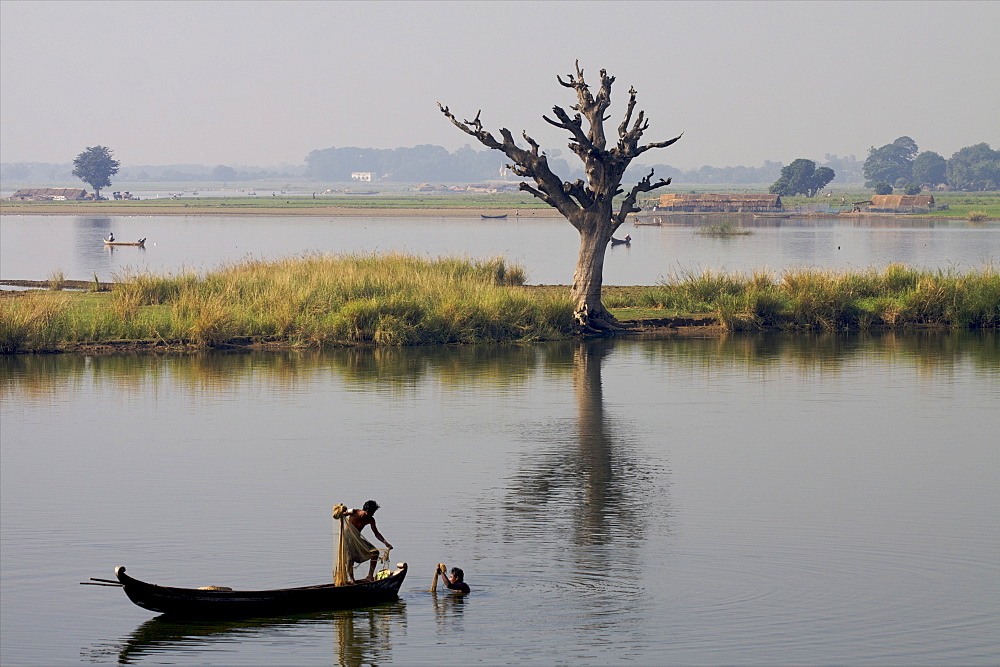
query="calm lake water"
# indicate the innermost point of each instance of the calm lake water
(766, 499)
(747, 499)
(34, 247)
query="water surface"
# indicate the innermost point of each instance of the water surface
(35, 247)
(779, 499)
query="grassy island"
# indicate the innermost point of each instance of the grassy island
(396, 299)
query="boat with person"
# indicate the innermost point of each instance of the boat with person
(140, 243)
(625, 241)
(222, 602)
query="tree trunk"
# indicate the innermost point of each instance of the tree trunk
(589, 312)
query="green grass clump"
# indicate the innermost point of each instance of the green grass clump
(31, 319)
(809, 299)
(312, 301)
(725, 228)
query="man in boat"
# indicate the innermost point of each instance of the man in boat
(360, 549)
(111, 237)
(455, 582)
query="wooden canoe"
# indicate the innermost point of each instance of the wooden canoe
(492, 217)
(625, 241)
(221, 603)
(141, 243)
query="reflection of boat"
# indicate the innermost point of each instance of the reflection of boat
(493, 217)
(141, 242)
(215, 602)
(364, 636)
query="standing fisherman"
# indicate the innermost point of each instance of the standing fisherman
(364, 550)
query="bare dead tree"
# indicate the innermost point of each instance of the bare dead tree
(589, 206)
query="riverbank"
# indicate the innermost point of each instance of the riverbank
(397, 300)
(116, 208)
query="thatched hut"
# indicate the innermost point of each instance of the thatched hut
(719, 203)
(901, 203)
(49, 194)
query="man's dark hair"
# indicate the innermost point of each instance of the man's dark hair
(370, 506)
(458, 573)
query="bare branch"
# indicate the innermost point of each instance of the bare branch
(623, 128)
(659, 144)
(579, 191)
(646, 184)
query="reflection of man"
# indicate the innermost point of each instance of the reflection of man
(455, 582)
(361, 549)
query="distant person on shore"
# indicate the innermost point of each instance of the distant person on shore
(455, 582)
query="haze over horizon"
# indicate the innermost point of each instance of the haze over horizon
(265, 83)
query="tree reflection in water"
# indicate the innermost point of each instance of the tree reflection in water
(581, 501)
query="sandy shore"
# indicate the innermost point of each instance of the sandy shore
(329, 211)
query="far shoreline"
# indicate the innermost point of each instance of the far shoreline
(320, 211)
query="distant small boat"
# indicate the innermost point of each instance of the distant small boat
(772, 215)
(493, 217)
(625, 241)
(141, 242)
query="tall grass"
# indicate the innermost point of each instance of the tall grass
(31, 321)
(325, 300)
(810, 299)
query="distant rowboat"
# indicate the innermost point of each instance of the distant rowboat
(493, 217)
(141, 242)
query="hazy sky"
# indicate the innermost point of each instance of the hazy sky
(264, 83)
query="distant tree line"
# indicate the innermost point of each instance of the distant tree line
(46, 173)
(899, 164)
(418, 164)
(902, 165)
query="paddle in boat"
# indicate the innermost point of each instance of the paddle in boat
(141, 242)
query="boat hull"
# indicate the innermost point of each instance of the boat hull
(199, 603)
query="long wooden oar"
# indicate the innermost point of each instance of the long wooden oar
(94, 581)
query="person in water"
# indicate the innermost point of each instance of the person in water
(358, 519)
(455, 582)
